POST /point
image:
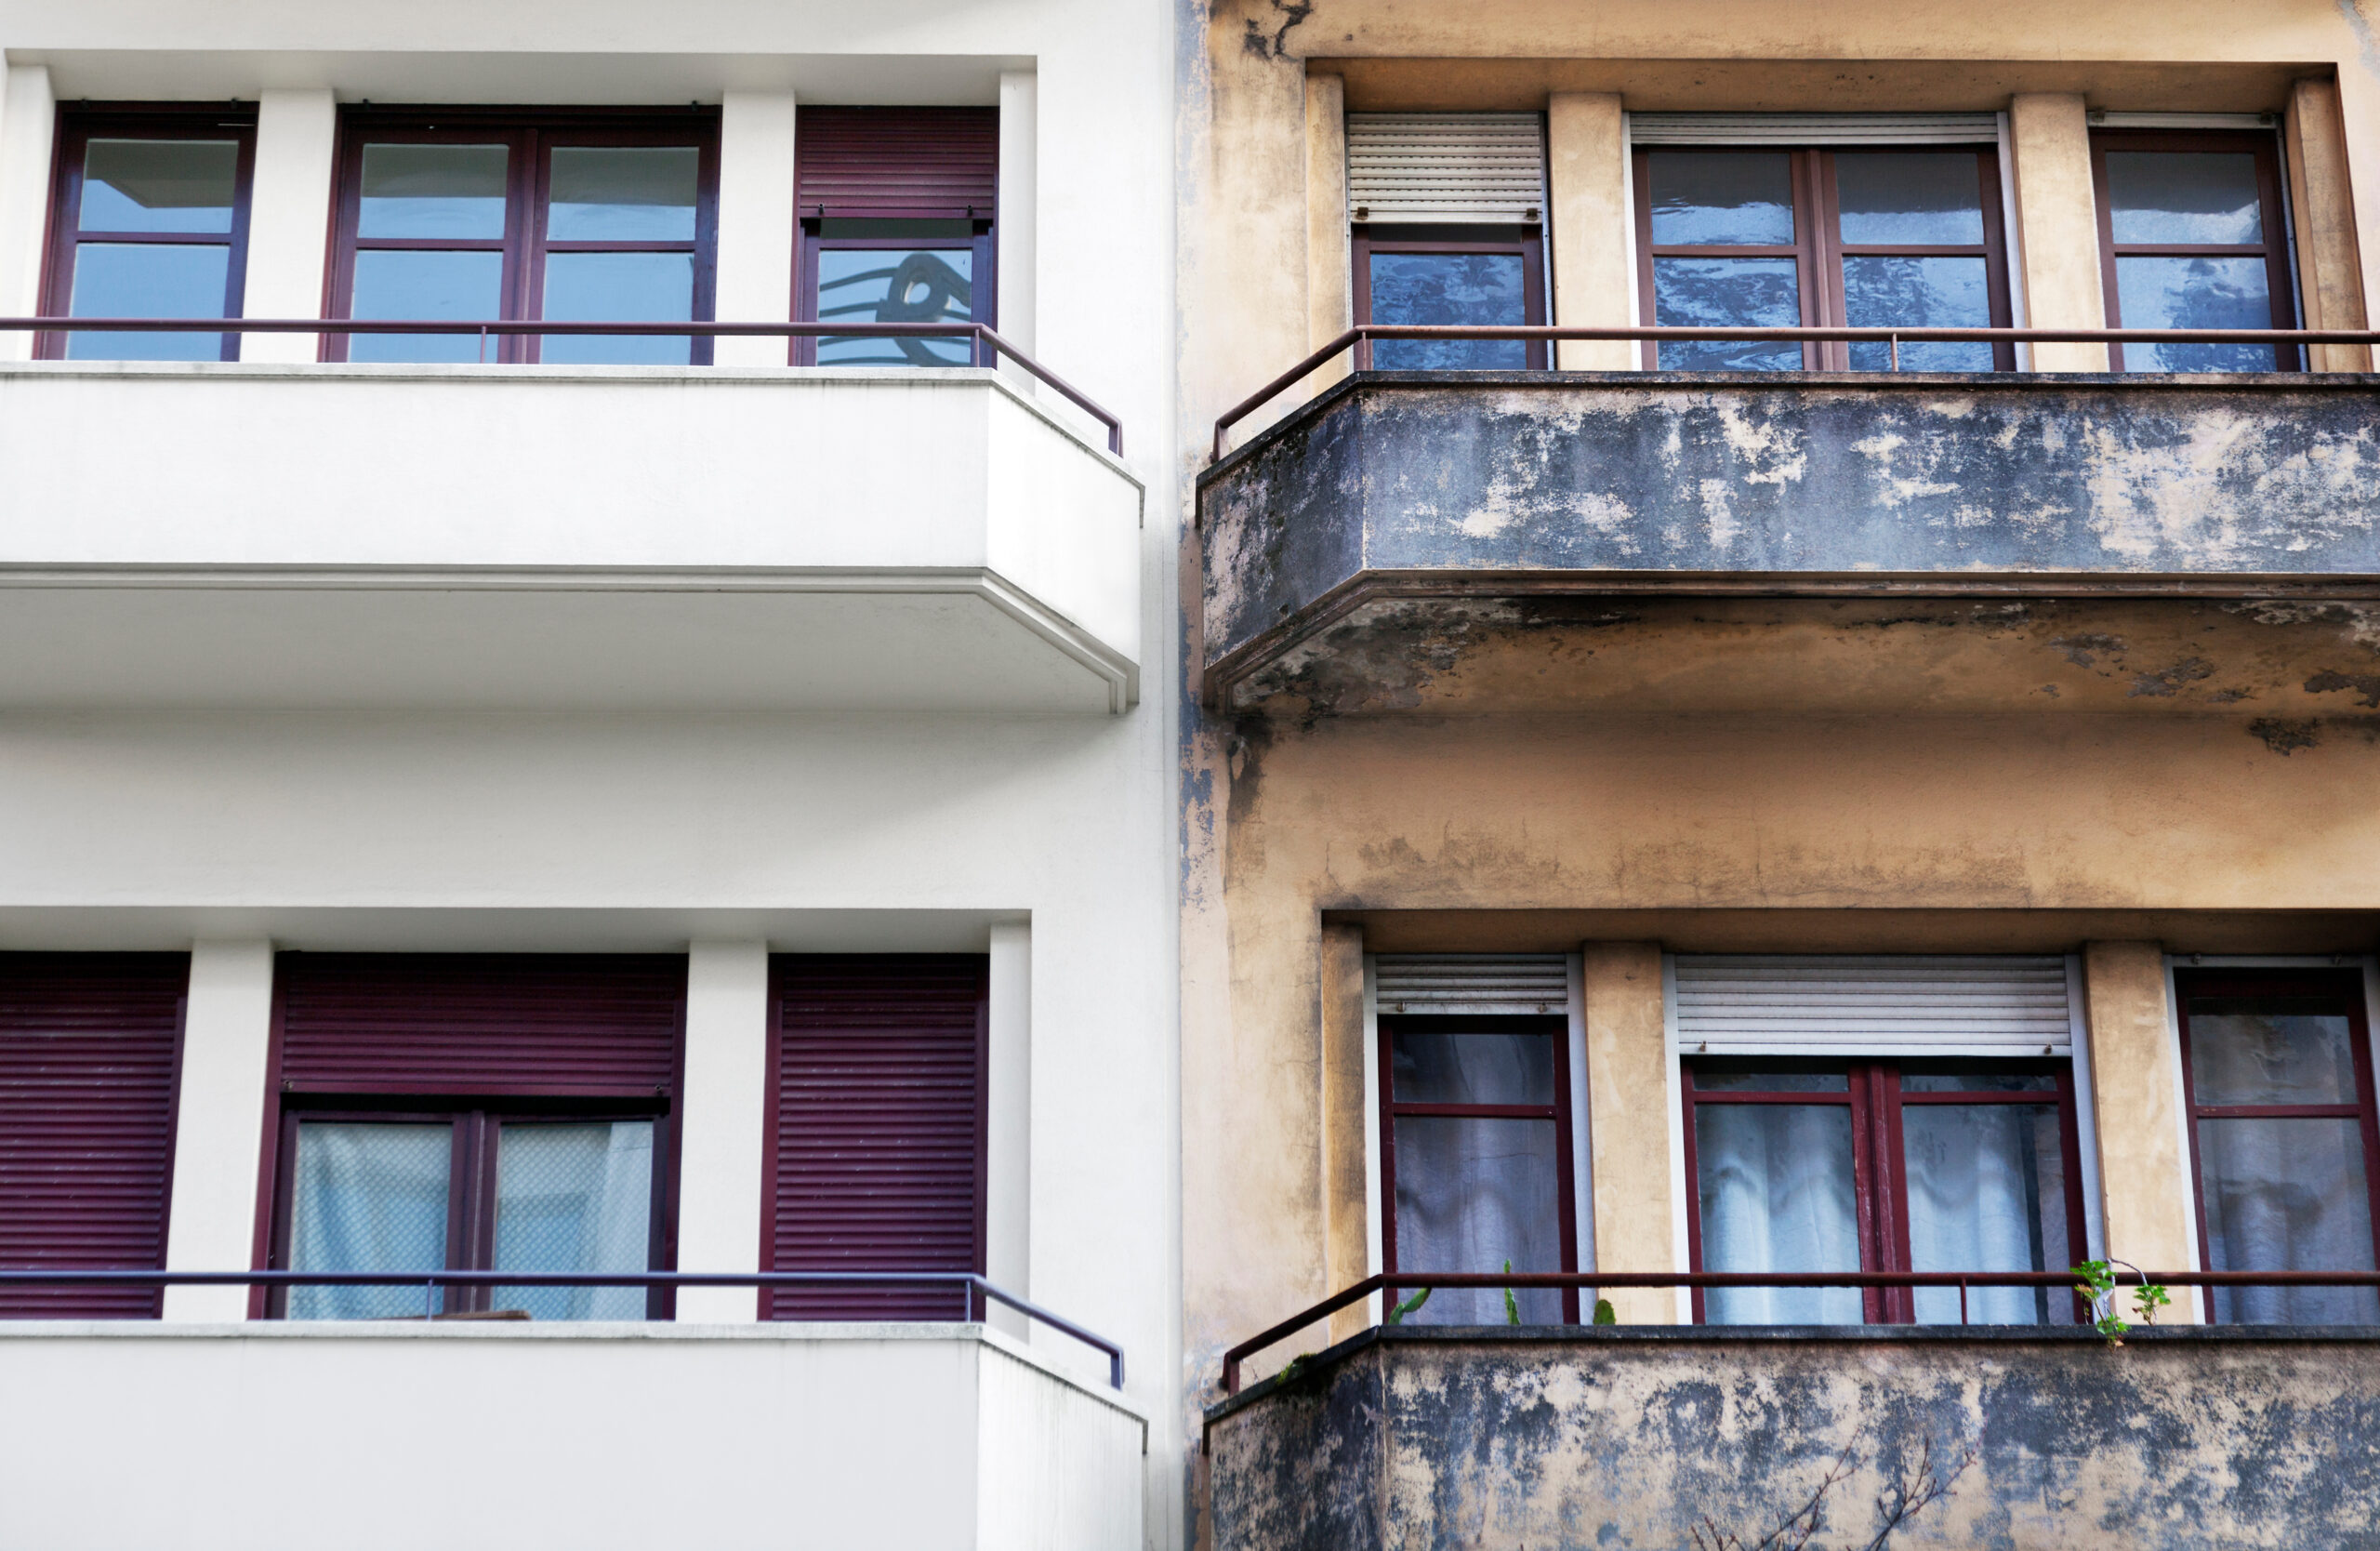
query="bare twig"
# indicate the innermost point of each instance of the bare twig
(1802, 1523)
(1911, 1495)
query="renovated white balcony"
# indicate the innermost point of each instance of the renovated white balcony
(342, 536)
(268, 1436)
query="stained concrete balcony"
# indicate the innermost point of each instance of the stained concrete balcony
(1483, 541)
(2182, 1440)
(595, 537)
(261, 1436)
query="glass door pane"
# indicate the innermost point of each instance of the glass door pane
(1777, 1191)
(1733, 200)
(370, 1197)
(573, 1197)
(911, 272)
(616, 195)
(1987, 1192)
(1474, 1191)
(1457, 290)
(418, 199)
(155, 188)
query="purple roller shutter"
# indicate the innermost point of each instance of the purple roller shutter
(90, 1048)
(908, 163)
(876, 1128)
(481, 1024)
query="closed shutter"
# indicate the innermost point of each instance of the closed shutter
(1768, 1005)
(897, 163)
(481, 1024)
(1449, 168)
(877, 1131)
(90, 1044)
(1813, 128)
(1444, 984)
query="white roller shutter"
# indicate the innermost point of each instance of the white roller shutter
(1467, 169)
(1771, 1004)
(1813, 128)
(1472, 983)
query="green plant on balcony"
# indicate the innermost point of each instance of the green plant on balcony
(2097, 1282)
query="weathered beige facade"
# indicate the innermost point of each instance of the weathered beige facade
(1732, 767)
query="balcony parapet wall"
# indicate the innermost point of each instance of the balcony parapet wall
(1413, 1437)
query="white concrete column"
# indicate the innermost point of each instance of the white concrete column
(1020, 120)
(1008, 1142)
(218, 1124)
(722, 1116)
(28, 125)
(756, 222)
(289, 219)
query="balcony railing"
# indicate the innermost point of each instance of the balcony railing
(980, 1290)
(1361, 335)
(1391, 1283)
(985, 348)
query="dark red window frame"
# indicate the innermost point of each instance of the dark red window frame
(1818, 248)
(1364, 240)
(1566, 1159)
(78, 124)
(2348, 986)
(1875, 1098)
(2274, 249)
(531, 135)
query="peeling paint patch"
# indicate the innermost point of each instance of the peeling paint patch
(2082, 650)
(2330, 680)
(2284, 735)
(2167, 681)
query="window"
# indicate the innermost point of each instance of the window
(2277, 1066)
(474, 1111)
(2191, 237)
(150, 220)
(1446, 213)
(403, 1190)
(472, 217)
(1909, 237)
(1804, 1165)
(898, 209)
(1475, 1155)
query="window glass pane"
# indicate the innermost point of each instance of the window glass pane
(2287, 1195)
(1719, 293)
(2194, 293)
(1735, 198)
(1914, 1079)
(633, 286)
(1775, 1193)
(1471, 1194)
(892, 286)
(370, 1197)
(159, 185)
(1715, 1077)
(148, 280)
(901, 228)
(1882, 292)
(1455, 289)
(573, 1197)
(2184, 196)
(1909, 197)
(1987, 1192)
(433, 191)
(1473, 1068)
(416, 284)
(2271, 1050)
(641, 193)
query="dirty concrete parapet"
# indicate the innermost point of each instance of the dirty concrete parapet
(2137, 1111)
(1633, 1119)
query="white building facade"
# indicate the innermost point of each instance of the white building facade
(589, 802)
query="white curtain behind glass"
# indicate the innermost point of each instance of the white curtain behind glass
(573, 1197)
(1474, 1192)
(370, 1197)
(1987, 1192)
(1777, 1194)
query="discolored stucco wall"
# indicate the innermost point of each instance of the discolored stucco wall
(2176, 1441)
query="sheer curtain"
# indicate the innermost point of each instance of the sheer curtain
(573, 1197)
(370, 1197)
(1474, 1192)
(1987, 1192)
(1777, 1194)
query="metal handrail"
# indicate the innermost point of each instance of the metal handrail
(1385, 1281)
(430, 1282)
(1894, 338)
(986, 347)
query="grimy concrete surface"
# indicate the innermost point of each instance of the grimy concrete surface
(2179, 1439)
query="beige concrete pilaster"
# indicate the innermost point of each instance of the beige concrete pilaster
(1346, 1185)
(1630, 1099)
(1586, 164)
(2329, 267)
(2058, 225)
(1329, 264)
(2136, 1104)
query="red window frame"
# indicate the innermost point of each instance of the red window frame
(530, 136)
(78, 124)
(1368, 239)
(1817, 249)
(1566, 1159)
(2274, 249)
(1880, 1187)
(2348, 986)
